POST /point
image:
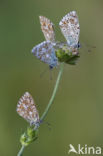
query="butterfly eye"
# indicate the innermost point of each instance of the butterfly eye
(79, 45)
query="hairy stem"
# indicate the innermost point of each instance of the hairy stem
(54, 93)
(21, 151)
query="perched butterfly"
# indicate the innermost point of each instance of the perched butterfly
(46, 53)
(70, 28)
(27, 109)
(50, 51)
(47, 28)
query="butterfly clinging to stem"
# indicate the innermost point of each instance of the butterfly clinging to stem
(26, 108)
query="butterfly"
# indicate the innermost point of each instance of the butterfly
(26, 108)
(70, 28)
(46, 53)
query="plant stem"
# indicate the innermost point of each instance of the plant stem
(54, 93)
(49, 104)
(21, 151)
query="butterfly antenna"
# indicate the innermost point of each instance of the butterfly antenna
(88, 47)
(49, 125)
(42, 74)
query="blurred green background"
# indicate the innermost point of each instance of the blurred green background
(76, 116)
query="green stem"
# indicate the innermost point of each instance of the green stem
(53, 94)
(49, 104)
(21, 151)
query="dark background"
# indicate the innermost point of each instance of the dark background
(76, 115)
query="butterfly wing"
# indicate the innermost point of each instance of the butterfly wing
(27, 109)
(46, 53)
(70, 28)
(47, 28)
